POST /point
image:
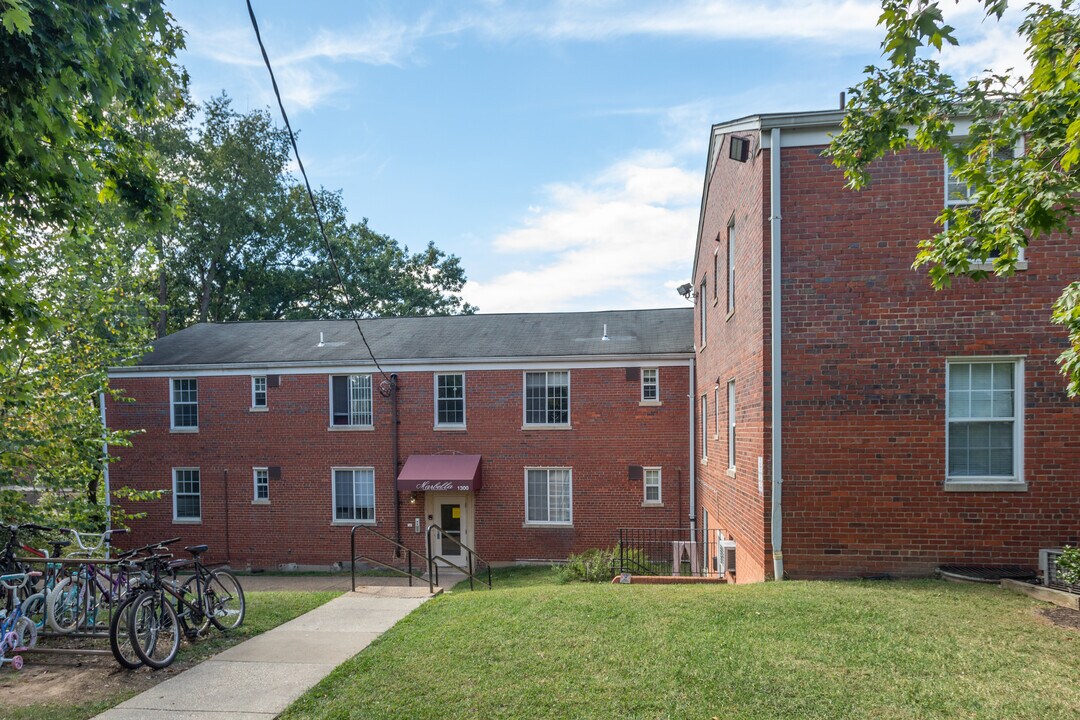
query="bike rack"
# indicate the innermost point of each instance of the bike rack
(433, 568)
(409, 552)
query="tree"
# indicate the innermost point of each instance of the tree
(1015, 200)
(248, 247)
(78, 78)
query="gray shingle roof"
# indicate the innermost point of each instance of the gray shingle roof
(517, 335)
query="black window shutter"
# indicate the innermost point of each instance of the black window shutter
(636, 473)
(273, 380)
(633, 374)
(274, 473)
(341, 399)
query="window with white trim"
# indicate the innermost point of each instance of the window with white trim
(650, 384)
(258, 391)
(704, 427)
(652, 486)
(715, 273)
(704, 313)
(548, 499)
(185, 403)
(959, 194)
(262, 484)
(731, 424)
(984, 419)
(187, 495)
(547, 398)
(351, 400)
(731, 266)
(716, 413)
(450, 399)
(354, 495)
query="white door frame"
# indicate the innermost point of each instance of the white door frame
(432, 504)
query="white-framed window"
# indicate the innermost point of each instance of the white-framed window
(548, 496)
(731, 424)
(984, 419)
(716, 273)
(547, 398)
(653, 495)
(704, 313)
(650, 384)
(354, 495)
(261, 477)
(184, 399)
(258, 391)
(704, 427)
(187, 495)
(716, 412)
(958, 194)
(350, 401)
(450, 399)
(731, 266)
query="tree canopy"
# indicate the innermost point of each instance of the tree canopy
(1014, 198)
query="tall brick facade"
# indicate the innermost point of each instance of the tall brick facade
(865, 345)
(610, 429)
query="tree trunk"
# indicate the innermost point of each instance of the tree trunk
(208, 283)
(163, 292)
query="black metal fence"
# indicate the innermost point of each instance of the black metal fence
(667, 551)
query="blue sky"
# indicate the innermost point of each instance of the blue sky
(558, 148)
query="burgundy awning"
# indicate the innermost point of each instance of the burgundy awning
(440, 472)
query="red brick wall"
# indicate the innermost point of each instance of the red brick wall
(610, 431)
(865, 344)
(734, 349)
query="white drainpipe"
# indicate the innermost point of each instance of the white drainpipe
(777, 359)
(105, 464)
(693, 457)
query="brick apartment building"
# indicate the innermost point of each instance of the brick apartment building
(515, 433)
(909, 428)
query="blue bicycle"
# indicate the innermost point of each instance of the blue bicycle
(17, 631)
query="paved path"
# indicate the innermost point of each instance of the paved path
(260, 677)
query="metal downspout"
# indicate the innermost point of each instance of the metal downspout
(394, 451)
(693, 473)
(105, 468)
(776, 371)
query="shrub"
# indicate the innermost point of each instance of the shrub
(596, 565)
(1068, 565)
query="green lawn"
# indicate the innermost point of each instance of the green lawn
(534, 649)
(101, 683)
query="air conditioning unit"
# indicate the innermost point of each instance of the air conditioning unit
(1048, 564)
(725, 556)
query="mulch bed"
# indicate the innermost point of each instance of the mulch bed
(1062, 617)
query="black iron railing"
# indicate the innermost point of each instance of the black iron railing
(666, 551)
(409, 553)
(473, 561)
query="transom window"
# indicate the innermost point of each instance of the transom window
(258, 392)
(450, 399)
(547, 398)
(354, 495)
(185, 403)
(984, 419)
(187, 494)
(548, 496)
(262, 484)
(351, 400)
(650, 384)
(652, 486)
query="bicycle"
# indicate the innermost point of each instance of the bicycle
(154, 623)
(141, 570)
(17, 632)
(36, 605)
(77, 599)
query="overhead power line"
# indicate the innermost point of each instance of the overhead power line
(311, 193)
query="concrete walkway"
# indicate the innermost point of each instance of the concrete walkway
(260, 677)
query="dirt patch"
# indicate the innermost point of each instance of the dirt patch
(56, 679)
(1062, 617)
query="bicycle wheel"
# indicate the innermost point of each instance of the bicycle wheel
(34, 606)
(65, 605)
(224, 600)
(154, 630)
(25, 633)
(193, 619)
(120, 634)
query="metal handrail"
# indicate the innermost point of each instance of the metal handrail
(433, 569)
(409, 552)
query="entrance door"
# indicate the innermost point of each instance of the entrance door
(450, 519)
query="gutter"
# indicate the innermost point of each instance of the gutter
(693, 475)
(776, 371)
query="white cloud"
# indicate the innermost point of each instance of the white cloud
(985, 45)
(612, 241)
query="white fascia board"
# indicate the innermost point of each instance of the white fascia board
(403, 366)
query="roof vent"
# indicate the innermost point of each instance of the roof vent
(322, 343)
(605, 333)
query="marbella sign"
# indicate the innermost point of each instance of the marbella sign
(440, 473)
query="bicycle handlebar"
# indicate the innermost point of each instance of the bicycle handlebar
(102, 538)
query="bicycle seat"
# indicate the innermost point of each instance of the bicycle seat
(197, 549)
(60, 543)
